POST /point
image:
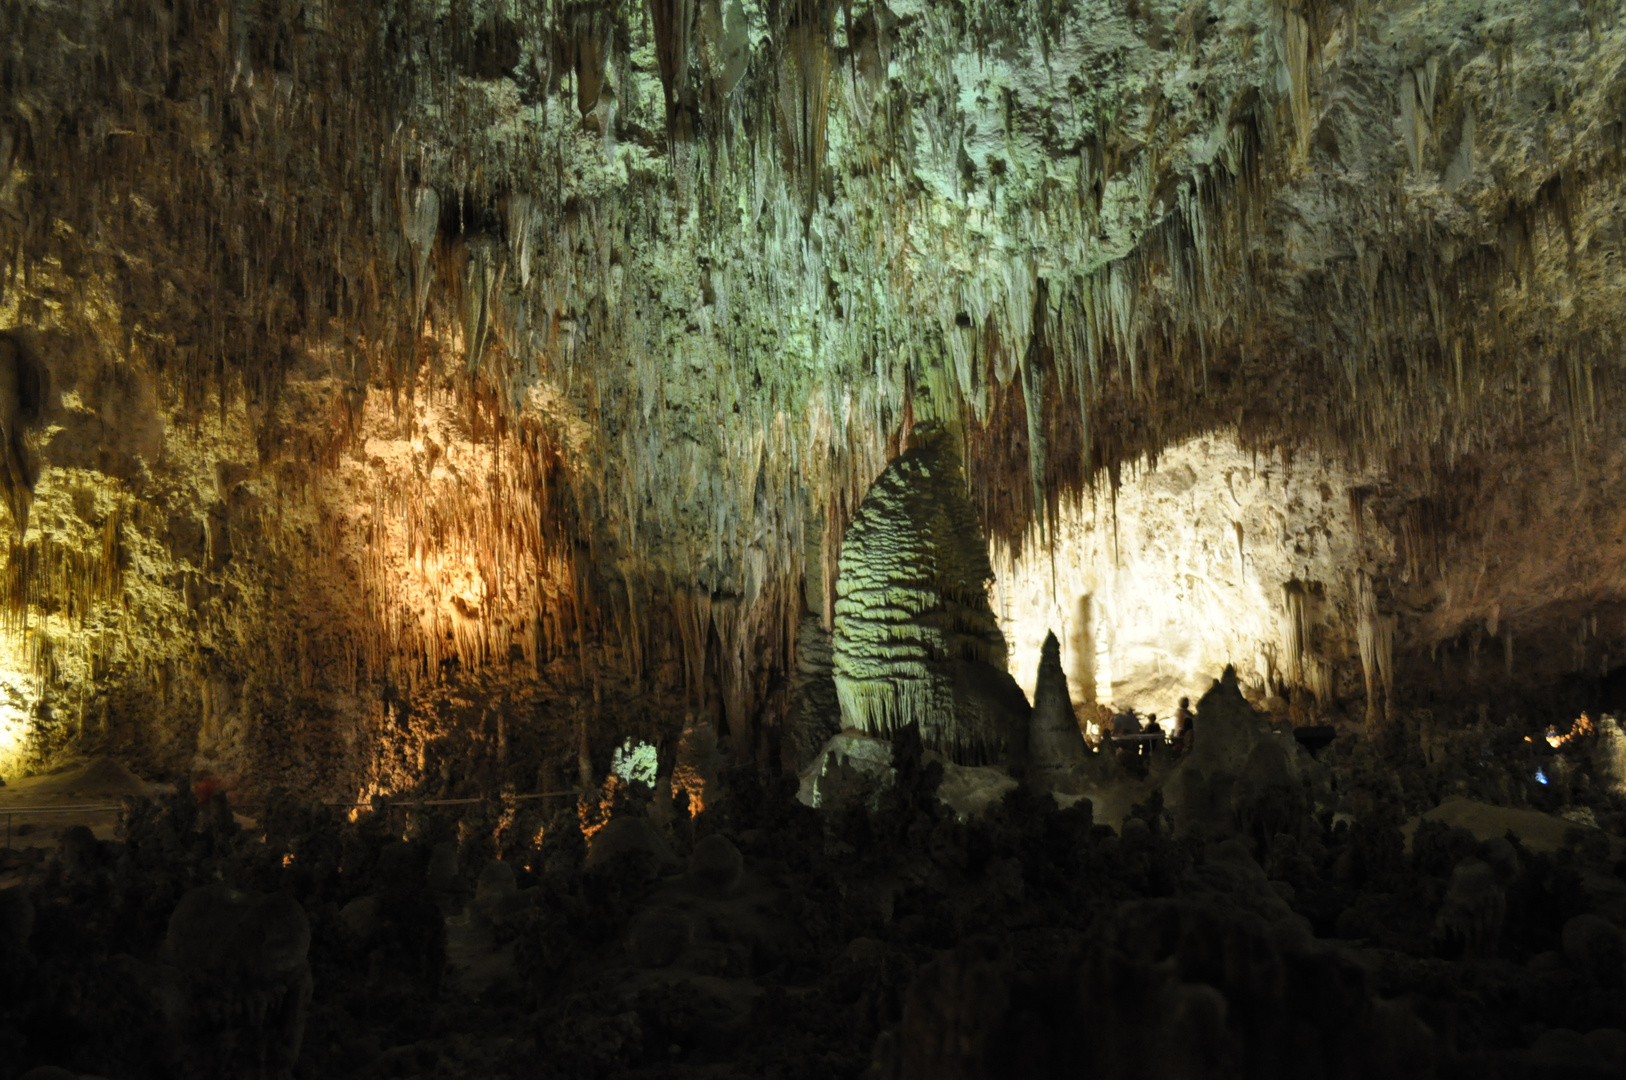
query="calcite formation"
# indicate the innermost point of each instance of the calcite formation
(915, 640)
(1056, 754)
(1210, 555)
(239, 982)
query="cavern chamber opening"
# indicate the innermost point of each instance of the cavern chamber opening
(778, 538)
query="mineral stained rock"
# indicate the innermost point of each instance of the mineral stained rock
(915, 639)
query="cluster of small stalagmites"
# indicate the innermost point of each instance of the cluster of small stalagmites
(1166, 988)
(185, 947)
(912, 615)
(762, 935)
(136, 959)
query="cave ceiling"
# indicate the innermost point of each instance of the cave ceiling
(648, 293)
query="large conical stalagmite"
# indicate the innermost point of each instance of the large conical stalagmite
(1056, 752)
(915, 640)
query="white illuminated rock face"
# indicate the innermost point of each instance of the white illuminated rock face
(1217, 556)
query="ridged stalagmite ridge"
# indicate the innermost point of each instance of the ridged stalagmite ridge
(912, 613)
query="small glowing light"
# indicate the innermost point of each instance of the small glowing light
(1541, 777)
(288, 860)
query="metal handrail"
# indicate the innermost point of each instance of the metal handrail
(388, 805)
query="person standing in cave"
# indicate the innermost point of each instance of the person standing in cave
(1126, 723)
(1127, 749)
(1182, 726)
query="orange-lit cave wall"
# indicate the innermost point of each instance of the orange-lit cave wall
(348, 596)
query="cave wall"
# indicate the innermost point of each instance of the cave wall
(379, 585)
(1213, 555)
(1502, 581)
(548, 350)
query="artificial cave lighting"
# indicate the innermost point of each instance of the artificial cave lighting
(1581, 728)
(635, 762)
(727, 538)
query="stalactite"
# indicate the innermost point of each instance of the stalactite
(419, 225)
(1296, 633)
(673, 24)
(691, 610)
(1375, 635)
(804, 96)
(1032, 398)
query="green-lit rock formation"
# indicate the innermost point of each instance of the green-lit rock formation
(915, 640)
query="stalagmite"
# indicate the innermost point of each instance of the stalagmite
(1056, 754)
(1376, 639)
(915, 640)
(815, 710)
(694, 775)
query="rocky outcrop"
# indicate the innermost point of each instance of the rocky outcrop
(852, 770)
(1165, 988)
(1239, 774)
(1609, 755)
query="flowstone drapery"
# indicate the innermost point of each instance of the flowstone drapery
(915, 638)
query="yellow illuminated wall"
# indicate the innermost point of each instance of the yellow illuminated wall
(1193, 571)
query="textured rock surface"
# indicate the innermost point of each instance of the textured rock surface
(240, 982)
(1212, 556)
(847, 770)
(815, 710)
(912, 611)
(1609, 755)
(851, 770)
(1023, 939)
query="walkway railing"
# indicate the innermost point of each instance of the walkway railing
(388, 805)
